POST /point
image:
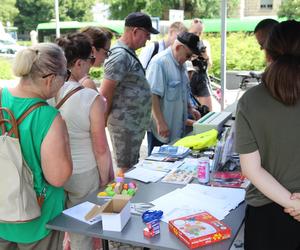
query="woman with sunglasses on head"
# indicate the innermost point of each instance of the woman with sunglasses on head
(101, 41)
(44, 143)
(84, 116)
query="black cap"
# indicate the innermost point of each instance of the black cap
(190, 40)
(138, 19)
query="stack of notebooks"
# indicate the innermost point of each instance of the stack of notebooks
(168, 153)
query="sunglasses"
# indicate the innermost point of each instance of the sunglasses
(92, 58)
(146, 31)
(107, 52)
(66, 75)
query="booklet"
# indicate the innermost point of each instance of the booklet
(80, 211)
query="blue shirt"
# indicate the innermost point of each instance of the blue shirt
(169, 80)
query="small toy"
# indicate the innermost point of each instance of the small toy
(132, 185)
(119, 179)
(119, 187)
(152, 220)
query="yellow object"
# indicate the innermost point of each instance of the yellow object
(102, 194)
(199, 141)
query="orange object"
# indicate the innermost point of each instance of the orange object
(125, 186)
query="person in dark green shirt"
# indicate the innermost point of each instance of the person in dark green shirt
(44, 143)
(267, 129)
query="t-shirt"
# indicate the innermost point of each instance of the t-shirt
(32, 132)
(131, 104)
(267, 125)
(147, 51)
(169, 80)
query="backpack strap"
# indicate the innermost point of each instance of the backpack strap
(155, 51)
(67, 96)
(12, 120)
(133, 55)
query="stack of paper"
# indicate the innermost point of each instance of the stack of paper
(159, 165)
(195, 198)
(145, 175)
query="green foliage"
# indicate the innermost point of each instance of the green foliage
(289, 9)
(242, 52)
(5, 69)
(33, 12)
(193, 8)
(96, 74)
(75, 10)
(8, 11)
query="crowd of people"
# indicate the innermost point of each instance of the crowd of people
(65, 145)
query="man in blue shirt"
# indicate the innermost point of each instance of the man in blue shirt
(169, 83)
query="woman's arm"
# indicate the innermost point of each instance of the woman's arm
(107, 89)
(55, 154)
(99, 140)
(265, 182)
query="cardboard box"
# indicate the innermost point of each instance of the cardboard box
(116, 213)
(199, 229)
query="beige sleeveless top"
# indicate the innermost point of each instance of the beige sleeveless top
(76, 113)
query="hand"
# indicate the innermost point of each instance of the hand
(195, 113)
(295, 213)
(163, 130)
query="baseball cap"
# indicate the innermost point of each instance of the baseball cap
(190, 40)
(139, 19)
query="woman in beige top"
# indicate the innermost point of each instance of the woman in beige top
(84, 116)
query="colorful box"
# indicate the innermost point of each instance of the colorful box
(199, 229)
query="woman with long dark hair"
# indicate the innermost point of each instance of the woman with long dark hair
(267, 138)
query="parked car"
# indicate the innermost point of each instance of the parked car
(9, 46)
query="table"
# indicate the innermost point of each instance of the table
(132, 233)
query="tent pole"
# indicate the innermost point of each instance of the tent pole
(223, 50)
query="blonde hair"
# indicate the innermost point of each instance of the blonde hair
(38, 60)
(178, 26)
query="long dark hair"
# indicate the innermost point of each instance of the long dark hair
(282, 76)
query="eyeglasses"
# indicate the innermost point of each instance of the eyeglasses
(189, 54)
(107, 52)
(146, 31)
(66, 75)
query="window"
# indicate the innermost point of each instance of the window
(266, 4)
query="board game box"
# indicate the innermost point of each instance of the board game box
(199, 229)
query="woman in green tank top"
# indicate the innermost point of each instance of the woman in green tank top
(44, 142)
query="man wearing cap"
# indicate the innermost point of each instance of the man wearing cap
(127, 91)
(167, 76)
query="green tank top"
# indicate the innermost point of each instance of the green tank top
(32, 132)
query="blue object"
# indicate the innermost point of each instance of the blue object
(151, 215)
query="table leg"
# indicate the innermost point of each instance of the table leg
(105, 245)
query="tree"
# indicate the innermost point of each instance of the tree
(289, 9)
(33, 12)
(8, 11)
(76, 10)
(193, 8)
